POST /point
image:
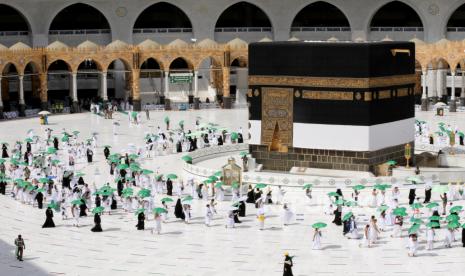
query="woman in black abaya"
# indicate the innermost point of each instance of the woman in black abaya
(178, 212)
(97, 220)
(140, 221)
(49, 219)
(4, 151)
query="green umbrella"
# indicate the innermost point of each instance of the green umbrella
(380, 187)
(461, 134)
(146, 172)
(452, 217)
(307, 186)
(107, 146)
(432, 224)
(391, 163)
(208, 181)
(98, 210)
(219, 184)
(319, 225)
(440, 189)
(65, 139)
(140, 210)
(453, 225)
(339, 202)
(129, 179)
(40, 190)
(56, 162)
(414, 179)
(187, 158)
(172, 176)
(218, 173)
(133, 114)
(4, 143)
(416, 205)
(243, 153)
(260, 186)
(432, 205)
(80, 174)
(235, 185)
(115, 155)
(456, 209)
(51, 150)
(437, 218)
(31, 188)
(399, 212)
(234, 136)
(358, 187)
(166, 119)
(2, 160)
(107, 191)
(76, 132)
(43, 180)
(213, 178)
(128, 191)
(134, 168)
(53, 205)
(166, 199)
(77, 202)
(350, 203)
(383, 208)
(181, 123)
(414, 228)
(133, 156)
(122, 166)
(160, 210)
(187, 198)
(333, 194)
(347, 216)
(28, 140)
(463, 225)
(416, 220)
(144, 193)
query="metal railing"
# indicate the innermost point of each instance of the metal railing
(320, 29)
(243, 29)
(161, 30)
(14, 33)
(79, 32)
(396, 29)
(456, 29)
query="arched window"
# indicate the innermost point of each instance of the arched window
(12, 20)
(242, 15)
(163, 16)
(79, 17)
(456, 22)
(397, 16)
(322, 15)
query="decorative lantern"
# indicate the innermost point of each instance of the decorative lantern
(408, 154)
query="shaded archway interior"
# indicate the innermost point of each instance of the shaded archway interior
(12, 20)
(243, 14)
(320, 14)
(162, 15)
(79, 17)
(58, 83)
(457, 19)
(396, 14)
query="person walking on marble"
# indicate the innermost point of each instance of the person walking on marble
(20, 247)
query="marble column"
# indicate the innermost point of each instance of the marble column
(462, 89)
(440, 84)
(196, 90)
(227, 102)
(452, 104)
(74, 93)
(433, 89)
(424, 96)
(103, 87)
(22, 103)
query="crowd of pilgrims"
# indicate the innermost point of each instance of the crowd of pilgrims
(45, 172)
(443, 136)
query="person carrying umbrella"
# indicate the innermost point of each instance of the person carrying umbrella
(288, 264)
(97, 220)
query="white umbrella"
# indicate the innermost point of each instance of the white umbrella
(44, 112)
(440, 104)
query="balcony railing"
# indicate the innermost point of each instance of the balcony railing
(456, 29)
(161, 30)
(320, 29)
(397, 29)
(79, 32)
(244, 29)
(14, 33)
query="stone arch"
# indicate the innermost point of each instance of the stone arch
(167, 9)
(242, 61)
(405, 4)
(215, 60)
(178, 61)
(6, 9)
(94, 12)
(322, 6)
(98, 64)
(57, 60)
(126, 63)
(158, 61)
(266, 19)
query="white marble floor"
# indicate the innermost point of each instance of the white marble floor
(195, 249)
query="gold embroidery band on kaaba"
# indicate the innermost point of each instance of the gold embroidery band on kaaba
(331, 82)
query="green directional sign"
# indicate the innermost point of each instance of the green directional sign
(181, 78)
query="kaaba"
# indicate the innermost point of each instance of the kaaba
(331, 105)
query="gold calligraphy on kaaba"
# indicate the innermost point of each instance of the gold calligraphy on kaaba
(277, 114)
(328, 95)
